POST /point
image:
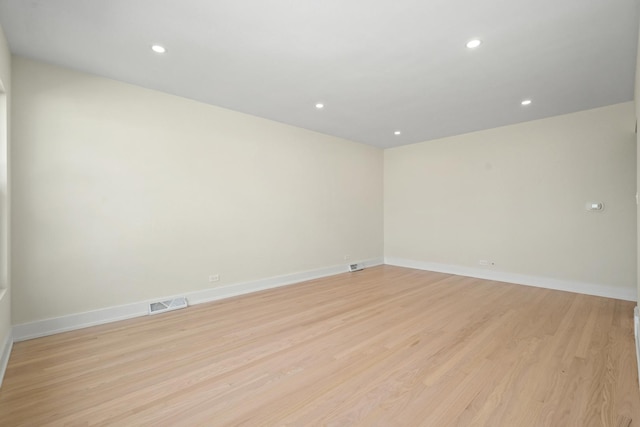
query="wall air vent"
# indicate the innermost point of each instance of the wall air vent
(168, 305)
(356, 267)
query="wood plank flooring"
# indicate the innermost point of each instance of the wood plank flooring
(386, 346)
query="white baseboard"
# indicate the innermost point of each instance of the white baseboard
(71, 322)
(636, 333)
(5, 353)
(41, 328)
(273, 282)
(627, 294)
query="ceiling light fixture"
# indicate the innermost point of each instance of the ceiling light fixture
(526, 102)
(319, 106)
(158, 49)
(472, 44)
(397, 132)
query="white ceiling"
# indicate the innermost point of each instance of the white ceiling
(377, 65)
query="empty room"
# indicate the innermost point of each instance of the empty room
(319, 213)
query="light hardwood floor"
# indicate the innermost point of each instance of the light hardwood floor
(386, 346)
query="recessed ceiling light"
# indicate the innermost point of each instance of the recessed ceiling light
(319, 106)
(526, 102)
(472, 44)
(158, 49)
(397, 132)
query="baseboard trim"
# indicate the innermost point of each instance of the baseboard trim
(72, 322)
(215, 294)
(636, 333)
(7, 345)
(520, 279)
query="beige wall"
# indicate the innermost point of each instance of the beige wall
(516, 196)
(5, 300)
(124, 194)
(637, 108)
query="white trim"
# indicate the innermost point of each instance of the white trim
(636, 333)
(71, 322)
(41, 328)
(215, 294)
(628, 294)
(7, 345)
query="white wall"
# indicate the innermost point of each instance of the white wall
(124, 194)
(5, 288)
(516, 196)
(637, 110)
(637, 115)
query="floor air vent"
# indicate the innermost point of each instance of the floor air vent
(168, 305)
(356, 267)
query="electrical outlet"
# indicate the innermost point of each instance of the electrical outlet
(485, 262)
(347, 257)
(214, 278)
